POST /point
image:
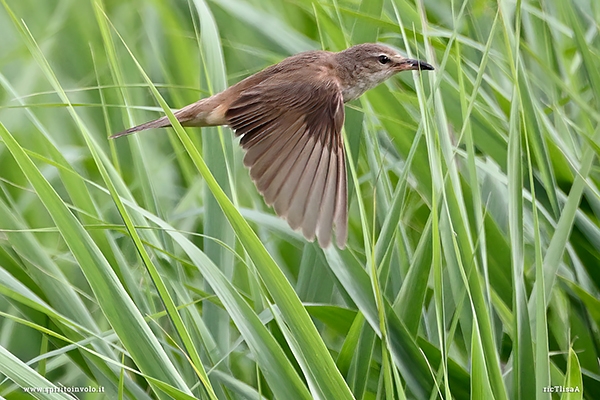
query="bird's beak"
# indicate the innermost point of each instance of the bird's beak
(409, 64)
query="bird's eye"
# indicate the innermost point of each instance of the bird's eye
(383, 59)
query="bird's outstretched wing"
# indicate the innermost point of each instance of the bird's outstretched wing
(292, 136)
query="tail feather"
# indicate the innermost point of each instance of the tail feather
(157, 123)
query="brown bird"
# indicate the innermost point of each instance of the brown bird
(290, 116)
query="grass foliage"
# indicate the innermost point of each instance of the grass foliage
(151, 267)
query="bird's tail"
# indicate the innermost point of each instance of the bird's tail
(157, 123)
(195, 114)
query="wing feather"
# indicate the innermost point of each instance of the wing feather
(313, 209)
(277, 169)
(291, 133)
(325, 222)
(341, 204)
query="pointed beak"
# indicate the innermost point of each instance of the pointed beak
(410, 64)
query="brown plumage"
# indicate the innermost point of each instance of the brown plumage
(290, 116)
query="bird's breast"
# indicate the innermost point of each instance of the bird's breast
(363, 83)
(353, 92)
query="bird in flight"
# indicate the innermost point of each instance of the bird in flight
(289, 117)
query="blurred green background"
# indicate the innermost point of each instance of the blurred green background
(151, 267)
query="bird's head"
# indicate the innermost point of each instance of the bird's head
(369, 64)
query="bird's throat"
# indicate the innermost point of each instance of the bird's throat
(363, 83)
